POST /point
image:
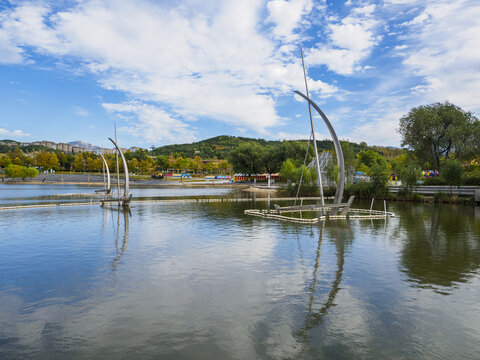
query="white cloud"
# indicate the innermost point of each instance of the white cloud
(9, 52)
(212, 62)
(350, 41)
(289, 136)
(286, 15)
(151, 123)
(377, 132)
(400, 47)
(80, 111)
(444, 50)
(15, 133)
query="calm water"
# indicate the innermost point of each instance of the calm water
(24, 194)
(204, 281)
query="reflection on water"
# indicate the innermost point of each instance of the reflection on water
(202, 280)
(441, 247)
(26, 194)
(127, 213)
(315, 318)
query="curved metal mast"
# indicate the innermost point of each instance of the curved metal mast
(319, 174)
(125, 167)
(338, 150)
(108, 174)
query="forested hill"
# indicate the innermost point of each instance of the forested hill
(218, 147)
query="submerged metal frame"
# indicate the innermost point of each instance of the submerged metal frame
(338, 150)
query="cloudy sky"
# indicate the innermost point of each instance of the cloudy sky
(181, 71)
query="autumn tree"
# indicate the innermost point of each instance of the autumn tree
(5, 160)
(134, 165)
(47, 160)
(145, 166)
(224, 165)
(162, 162)
(78, 163)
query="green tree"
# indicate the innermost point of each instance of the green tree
(181, 163)
(28, 172)
(5, 160)
(146, 165)
(214, 167)
(331, 171)
(410, 174)
(369, 157)
(287, 171)
(133, 166)
(32, 172)
(349, 159)
(92, 164)
(247, 158)
(78, 163)
(47, 160)
(224, 166)
(13, 171)
(196, 164)
(436, 131)
(208, 167)
(452, 173)
(379, 175)
(17, 157)
(162, 162)
(271, 159)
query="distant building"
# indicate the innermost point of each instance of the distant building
(69, 148)
(66, 148)
(48, 144)
(78, 149)
(107, 151)
(135, 148)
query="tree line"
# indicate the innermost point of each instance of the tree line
(139, 162)
(439, 136)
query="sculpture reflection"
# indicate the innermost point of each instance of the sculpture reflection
(120, 236)
(314, 318)
(119, 252)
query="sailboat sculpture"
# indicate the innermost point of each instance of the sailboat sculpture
(125, 199)
(323, 210)
(106, 185)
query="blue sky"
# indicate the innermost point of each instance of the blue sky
(182, 71)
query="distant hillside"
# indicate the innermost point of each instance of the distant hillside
(219, 146)
(10, 145)
(83, 144)
(216, 147)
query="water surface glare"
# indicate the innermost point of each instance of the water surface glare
(205, 281)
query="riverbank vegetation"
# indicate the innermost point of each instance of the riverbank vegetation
(439, 139)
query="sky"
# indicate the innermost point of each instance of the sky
(170, 72)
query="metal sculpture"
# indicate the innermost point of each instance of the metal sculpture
(319, 174)
(338, 150)
(125, 200)
(107, 189)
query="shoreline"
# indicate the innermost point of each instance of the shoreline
(133, 184)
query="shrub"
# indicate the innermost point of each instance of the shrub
(364, 189)
(472, 180)
(452, 172)
(409, 175)
(434, 181)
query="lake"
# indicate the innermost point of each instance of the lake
(179, 280)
